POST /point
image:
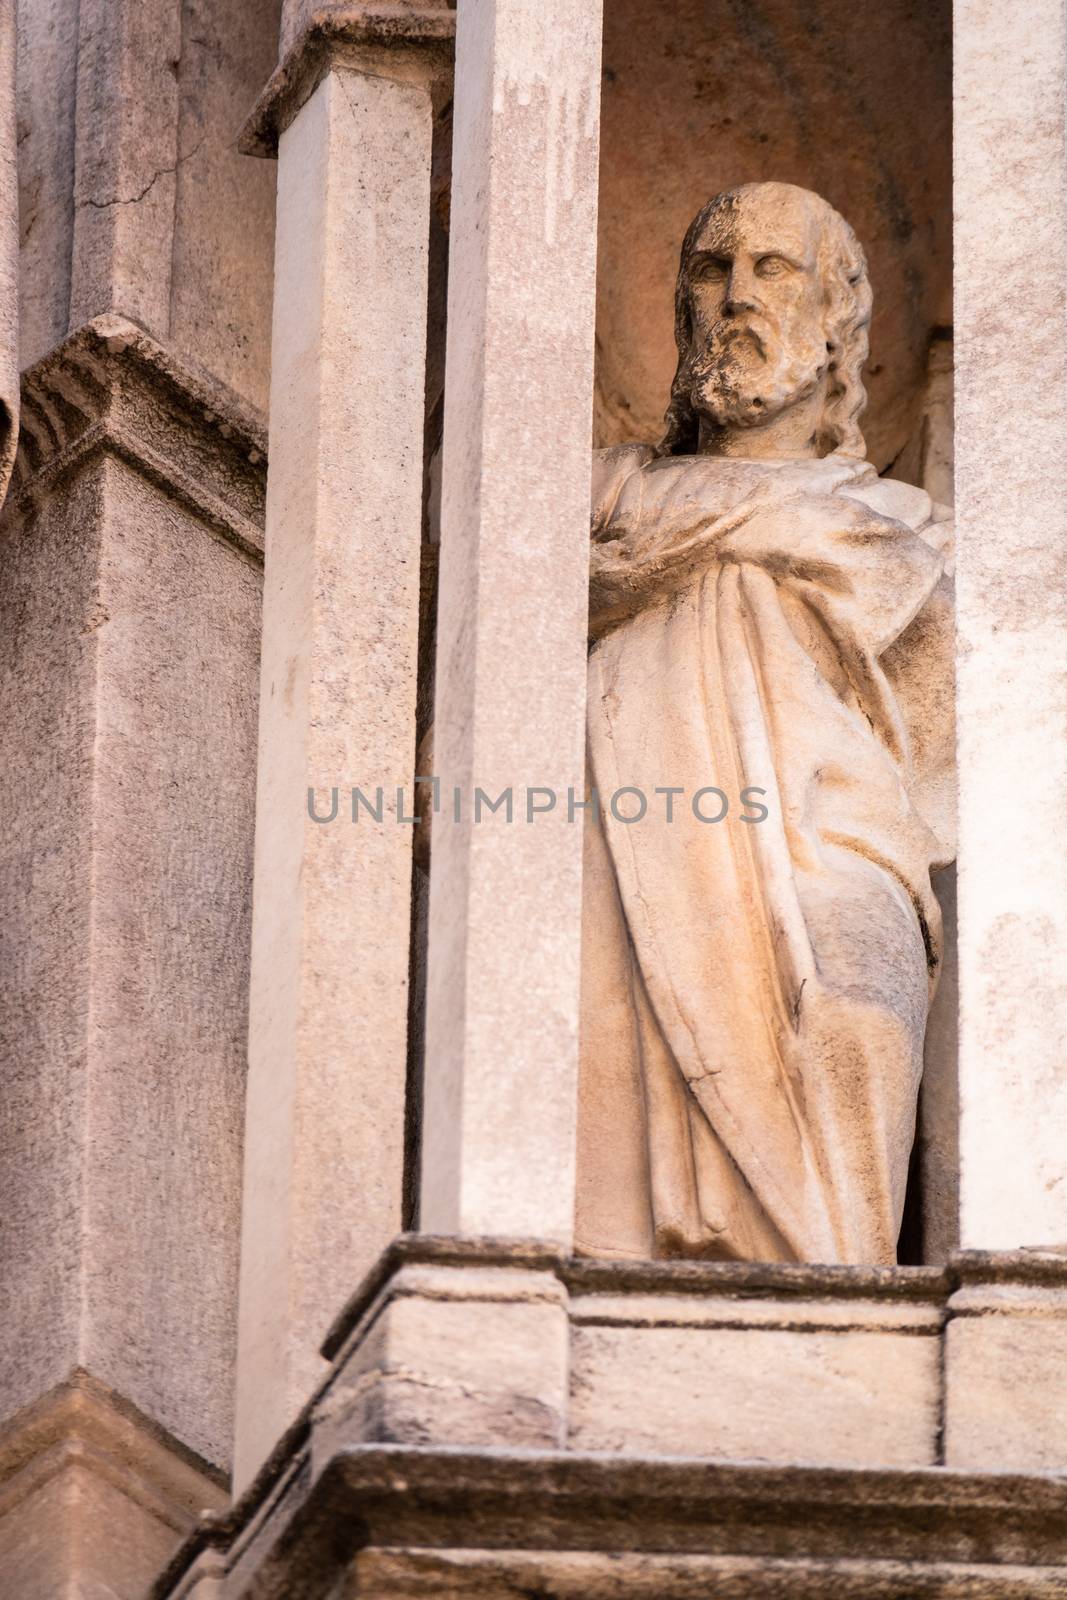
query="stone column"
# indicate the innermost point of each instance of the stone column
(502, 1004)
(324, 1141)
(1011, 507)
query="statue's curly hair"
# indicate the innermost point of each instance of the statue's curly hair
(848, 315)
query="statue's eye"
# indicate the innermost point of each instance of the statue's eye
(772, 267)
(709, 269)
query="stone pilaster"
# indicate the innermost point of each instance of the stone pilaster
(130, 553)
(132, 195)
(504, 941)
(126, 160)
(351, 111)
(1011, 517)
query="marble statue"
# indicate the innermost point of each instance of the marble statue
(766, 612)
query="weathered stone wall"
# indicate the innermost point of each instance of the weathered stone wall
(167, 223)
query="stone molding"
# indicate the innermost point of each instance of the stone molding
(84, 1420)
(980, 1270)
(798, 1285)
(82, 1466)
(111, 387)
(974, 1534)
(414, 1397)
(386, 39)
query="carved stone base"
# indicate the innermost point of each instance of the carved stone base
(93, 1497)
(501, 1420)
(452, 1342)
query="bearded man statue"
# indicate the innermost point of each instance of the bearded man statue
(766, 614)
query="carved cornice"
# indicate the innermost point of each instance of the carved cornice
(82, 1424)
(402, 1501)
(110, 387)
(580, 1275)
(388, 39)
(791, 1283)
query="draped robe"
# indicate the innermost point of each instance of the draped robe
(755, 995)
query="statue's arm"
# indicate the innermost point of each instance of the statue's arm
(611, 468)
(920, 666)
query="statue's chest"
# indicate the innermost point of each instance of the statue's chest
(687, 488)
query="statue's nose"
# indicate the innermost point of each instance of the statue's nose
(741, 291)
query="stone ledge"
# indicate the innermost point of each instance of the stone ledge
(111, 387)
(389, 39)
(487, 1575)
(692, 1279)
(431, 1249)
(814, 1365)
(950, 1528)
(1033, 1268)
(686, 1357)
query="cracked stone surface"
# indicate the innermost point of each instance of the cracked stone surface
(133, 196)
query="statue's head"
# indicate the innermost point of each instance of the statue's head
(773, 303)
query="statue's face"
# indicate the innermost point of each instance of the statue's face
(756, 300)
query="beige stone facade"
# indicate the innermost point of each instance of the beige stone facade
(310, 319)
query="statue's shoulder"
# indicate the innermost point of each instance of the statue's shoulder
(903, 502)
(906, 503)
(611, 468)
(619, 460)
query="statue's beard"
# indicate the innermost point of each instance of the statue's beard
(745, 373)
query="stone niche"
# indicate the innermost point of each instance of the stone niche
(854, 102)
